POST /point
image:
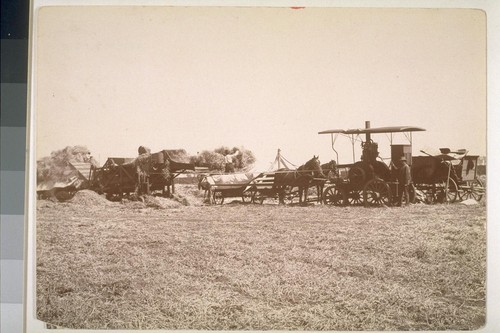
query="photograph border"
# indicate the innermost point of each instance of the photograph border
(491, 8)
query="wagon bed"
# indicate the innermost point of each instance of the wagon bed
(221, 186)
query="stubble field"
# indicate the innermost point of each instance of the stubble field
(164, 265)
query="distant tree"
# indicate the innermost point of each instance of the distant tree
(214, 159)
(56, 166)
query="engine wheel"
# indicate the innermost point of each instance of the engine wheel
(333, 196)
(355, 198)
(377, 193)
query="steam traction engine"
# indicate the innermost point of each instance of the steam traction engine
(369, 181)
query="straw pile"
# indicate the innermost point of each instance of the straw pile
(89, 198)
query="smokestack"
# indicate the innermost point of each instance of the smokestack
(367, 125)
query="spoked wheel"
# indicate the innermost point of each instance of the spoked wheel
(257, 197)
(474, 189)
(246, 197)
(333, 196)
(218, 198)
(289, 195)
(355, 198)
(447, 193)
(377, 193)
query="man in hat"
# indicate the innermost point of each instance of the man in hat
(228, 160)
(404, 179)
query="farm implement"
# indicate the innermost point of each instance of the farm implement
(447, 177)
(283, 186)
(121, 177)
(370, 181)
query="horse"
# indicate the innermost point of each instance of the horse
(301, 178)
(330, 171)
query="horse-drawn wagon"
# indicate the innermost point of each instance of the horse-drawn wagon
(220, 186)
(370, 181)
(282, 185)
(286, 185)
(447, 177)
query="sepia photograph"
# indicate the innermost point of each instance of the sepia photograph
(259, 168)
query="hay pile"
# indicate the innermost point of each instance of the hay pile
(160, 202)
(188, 195)
(89, 198)
(185, 195)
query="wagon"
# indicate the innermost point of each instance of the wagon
(447, 177)
(119, 176)
(116, 178)
(166, 166)
(263, 187)
(220, 186)
(65, 190)
(369, 181)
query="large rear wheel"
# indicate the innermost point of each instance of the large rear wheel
(377, 193)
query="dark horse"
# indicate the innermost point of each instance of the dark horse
(330, 172)
(301, 178)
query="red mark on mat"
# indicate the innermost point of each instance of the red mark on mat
(297, 7)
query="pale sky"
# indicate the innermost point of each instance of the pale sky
(115, 78)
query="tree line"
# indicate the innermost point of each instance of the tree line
(56, 167)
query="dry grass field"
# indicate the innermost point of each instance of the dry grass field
(165, 265)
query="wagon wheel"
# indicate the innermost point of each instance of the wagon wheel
(63, 194)
(430, 196)
(289, 194)
(246, 197)
(334, 196)
(355, 198)
(218, 198)
(257, 197)
(450, 195)
(425, 193)
(377, 193)
(472, 190)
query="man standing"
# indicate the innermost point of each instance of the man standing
(404, 179)
(228, 160)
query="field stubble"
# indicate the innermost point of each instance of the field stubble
(168, 266)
